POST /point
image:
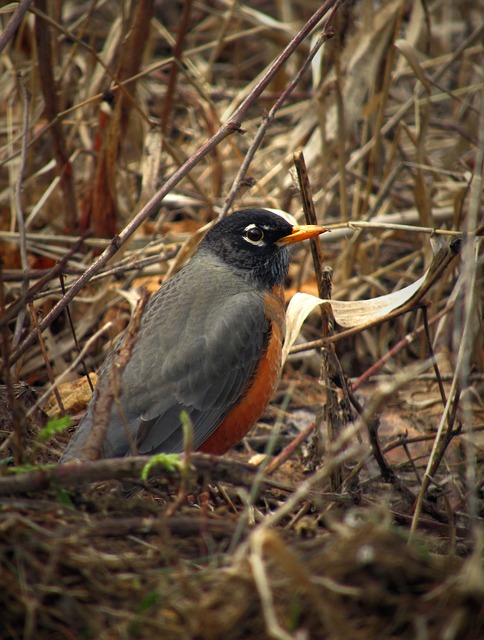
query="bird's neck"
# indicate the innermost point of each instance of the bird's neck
(273, 272)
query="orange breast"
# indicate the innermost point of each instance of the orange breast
(246, 412)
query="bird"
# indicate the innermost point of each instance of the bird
(209, 344)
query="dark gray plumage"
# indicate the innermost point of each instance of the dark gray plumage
(200, 340)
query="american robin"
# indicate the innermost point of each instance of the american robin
(209, 343)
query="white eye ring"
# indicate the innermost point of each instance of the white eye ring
(254, 235)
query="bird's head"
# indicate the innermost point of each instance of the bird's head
(257, 242)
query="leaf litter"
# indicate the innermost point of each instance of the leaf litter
(371, 524)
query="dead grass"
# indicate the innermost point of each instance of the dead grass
(135, 119)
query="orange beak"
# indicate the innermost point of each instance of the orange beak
(302, 232)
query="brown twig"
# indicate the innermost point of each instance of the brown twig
(232, 125)
(310, 216)
(82, 43)
(330, 373)
(426, 327)
(101, 206)
(341, 125)
(45, 355)
(336, 415)
(13, 24)
(239, 179)
(77, 473)
(316, 448)
(387, 473)
(20, 211)
(49, 91)
(110, 389)
(8, 314)
(401, 344)
(288, 451)
(396, 118)
(74, 337)
(177, 61)
(6, 375)
(14, 410)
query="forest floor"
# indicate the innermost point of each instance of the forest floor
(355, 507)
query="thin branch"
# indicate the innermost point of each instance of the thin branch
(13, 24)
(8, 314)
(324, 36)
(49, 92)
(108, 392)
(401, 344)
(310, 216)
(74, 337)
(48, 392)
(48, 367)
(20, 211)
(76, 473)
(232, 125)
(177, 58)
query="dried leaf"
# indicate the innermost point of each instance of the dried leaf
(411, 56)
(150, 164)
(355, 313)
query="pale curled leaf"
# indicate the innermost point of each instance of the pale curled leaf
(355, 313)
(347, 313)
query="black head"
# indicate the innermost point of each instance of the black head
(256, 242)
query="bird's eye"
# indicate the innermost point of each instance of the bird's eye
(254, 234)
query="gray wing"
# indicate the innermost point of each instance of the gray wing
(206, 377)
(199, 359)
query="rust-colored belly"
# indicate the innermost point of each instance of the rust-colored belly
(250, 407)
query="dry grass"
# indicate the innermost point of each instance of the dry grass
(135, 119)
